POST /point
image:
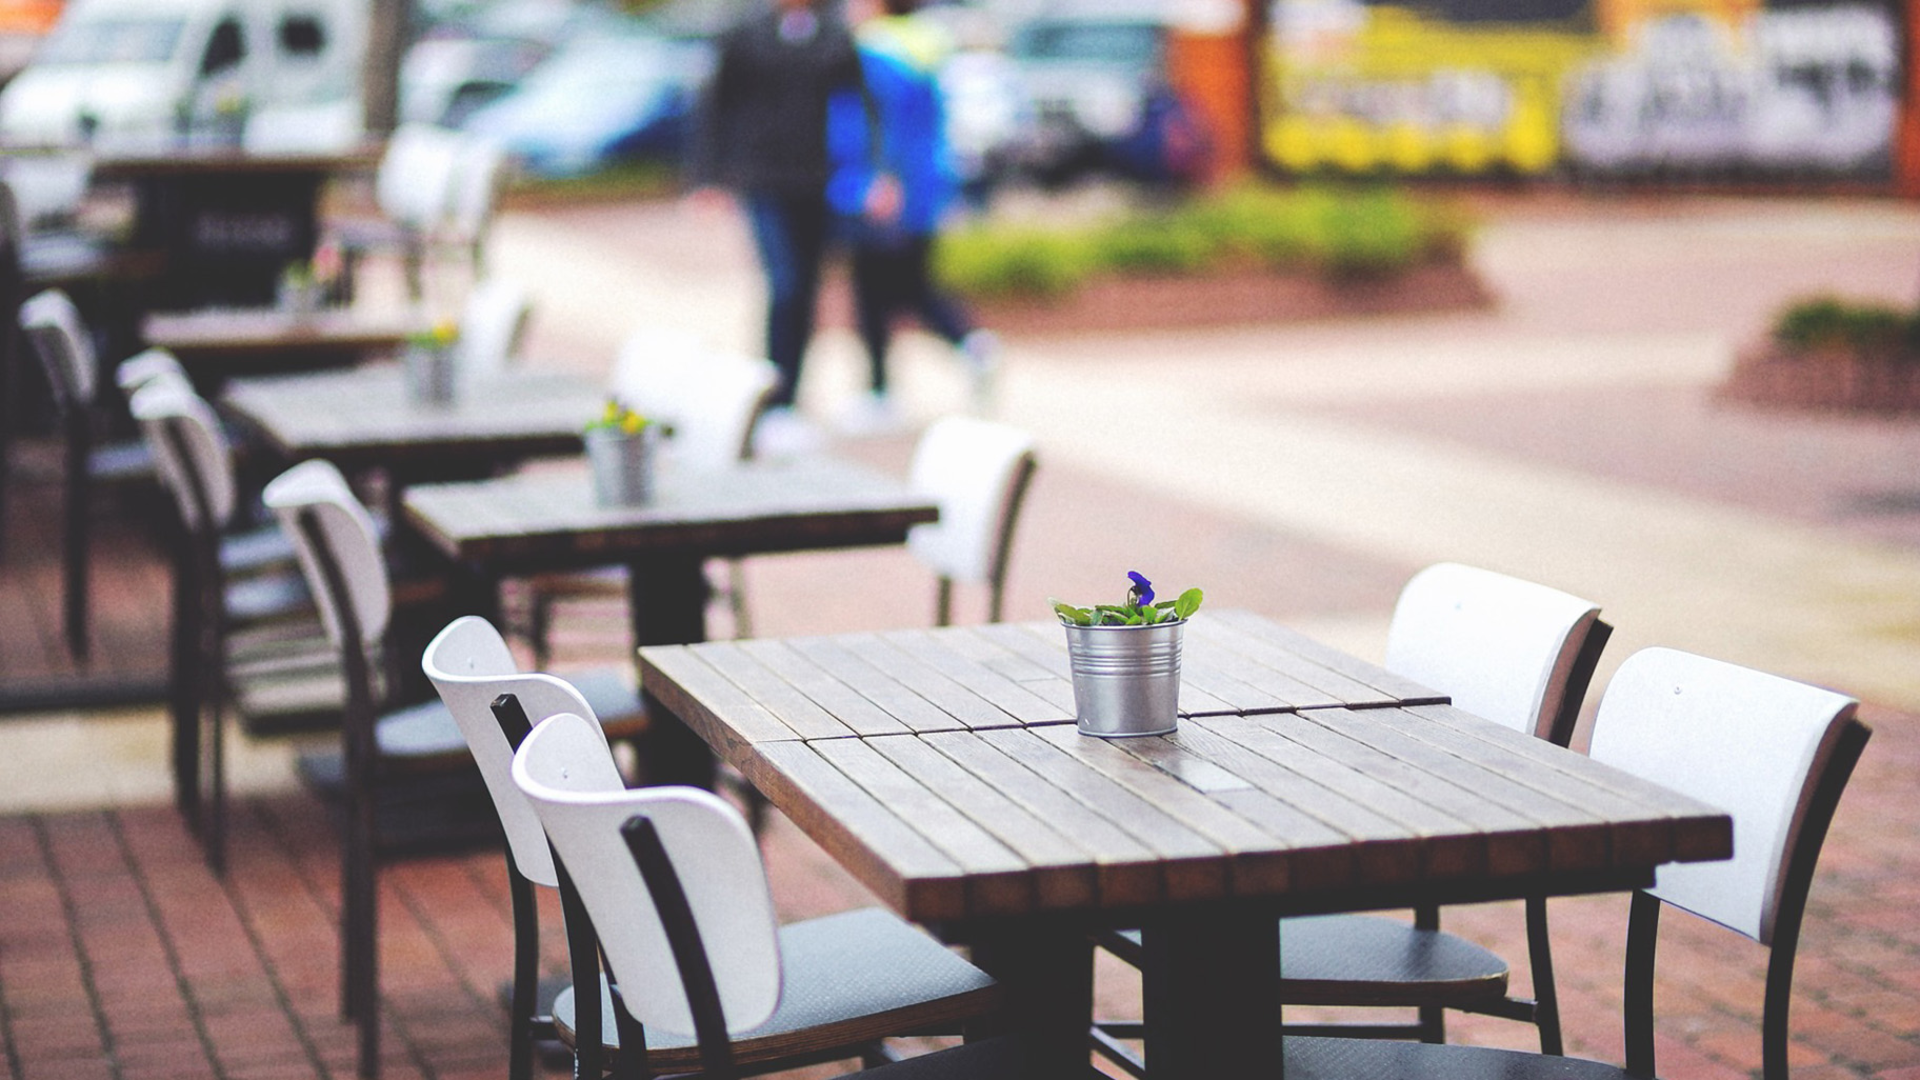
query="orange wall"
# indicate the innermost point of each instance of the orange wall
(1211, 73)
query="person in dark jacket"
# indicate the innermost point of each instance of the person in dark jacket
(763, 135)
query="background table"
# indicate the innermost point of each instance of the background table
(229, 220)
(544, 521)
(214, 343)
(941, 769)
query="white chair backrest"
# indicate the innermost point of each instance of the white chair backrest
(414, 183)
(493, 326)
(469, 664)
(168, 408)
(1747, 742)
(711, 398)
(142, 368)
(61, 341)
(566, 772)
(475, 189)
(348, 533)
(311, 127)
(1501, 648)
(47, 188)
(970, 466)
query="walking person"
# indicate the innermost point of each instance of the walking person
(762, 134)
(892, 200)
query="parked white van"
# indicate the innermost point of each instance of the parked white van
(131, 73)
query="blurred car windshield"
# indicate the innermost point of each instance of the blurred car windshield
(1129, 44)
(111, 41)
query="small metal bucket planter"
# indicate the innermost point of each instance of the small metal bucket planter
(1126, 679)
(430, 373)
(622, 464)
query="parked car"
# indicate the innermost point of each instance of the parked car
(138, 71)
(1100, 98)
(598, 101)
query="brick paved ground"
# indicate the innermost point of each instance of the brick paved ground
(120, 957)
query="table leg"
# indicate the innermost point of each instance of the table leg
(1210, 986)
(1046, 970)
(667, 601)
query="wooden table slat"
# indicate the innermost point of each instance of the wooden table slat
(944, 652)
(1063, 875)
(1397, 688)
(796, 712)
(879, 686)
(999, 881)
(961, 704)
(1191, 865)
(1119, 860)
(888, 856)
(690, 687)
(845, 703)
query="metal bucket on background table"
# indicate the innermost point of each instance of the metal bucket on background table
(430, 374)
(622, 464)
(1126, 679)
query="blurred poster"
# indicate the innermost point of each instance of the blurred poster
(1598, 87)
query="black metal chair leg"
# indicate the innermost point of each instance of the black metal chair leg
(79, 495)
(526, 972)
(1546, 1000)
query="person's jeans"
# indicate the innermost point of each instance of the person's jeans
(890, 279)
(791, 234)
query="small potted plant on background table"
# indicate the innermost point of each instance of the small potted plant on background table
(1125, 660)
(622, 448)
(431, 364)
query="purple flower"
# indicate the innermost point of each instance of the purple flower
(1141, 594)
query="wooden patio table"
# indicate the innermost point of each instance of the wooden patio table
(546, 519)
(214, 343)
(942, 768)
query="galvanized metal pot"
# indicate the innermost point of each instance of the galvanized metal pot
(622, 465)
(430, 374)
(1126, 679)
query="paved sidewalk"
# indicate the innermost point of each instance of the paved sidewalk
(1567, 435)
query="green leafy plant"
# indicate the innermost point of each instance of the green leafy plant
(1828, 322)
(617, 417)
(1139, 610)
(438, 336)
(1341, 232)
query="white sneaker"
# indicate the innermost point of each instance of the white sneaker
(871, 414)
(783, 433)
(981, 351)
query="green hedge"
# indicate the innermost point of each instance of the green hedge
(1337, 232)
(1828, 322)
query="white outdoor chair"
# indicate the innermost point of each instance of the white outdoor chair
(472, 198)
(400, 770)
(711, 399)
(413, 188)
(65, 349)
(493, 327)
(1510, 651)
(979, 471)
(700, 975)
(470, 666)
(1776, 755)
(312, 128)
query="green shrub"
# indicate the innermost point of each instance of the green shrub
(1827, 322)
(1340, 232)
(986, 261)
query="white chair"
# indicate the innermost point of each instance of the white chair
(311, 128)
(700, 975)
(413, 188)
(396, 767)
(493, 327)
(1774, 753)
(1510, 651)
(65, 349)
(474, 673)
(473, 196)
(979, 471)
(711, 400)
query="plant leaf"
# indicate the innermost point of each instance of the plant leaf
(1070, 614)
(1188, 603)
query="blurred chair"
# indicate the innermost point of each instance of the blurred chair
(64, 346)
(312, 128)
(473, 671)
(244, 632)
(473, 197)
(1510, 651)
(699, 977)
(1776, 754)
(979, 471)
(493, 327)
(413, 190)
(711, 399)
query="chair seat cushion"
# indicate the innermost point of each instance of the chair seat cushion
(420, 732)
(849, 979)
(615, 700)
(1380, 1059)
(991, 1059)
(1372, 960)
(268, 596)
(249, 550)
